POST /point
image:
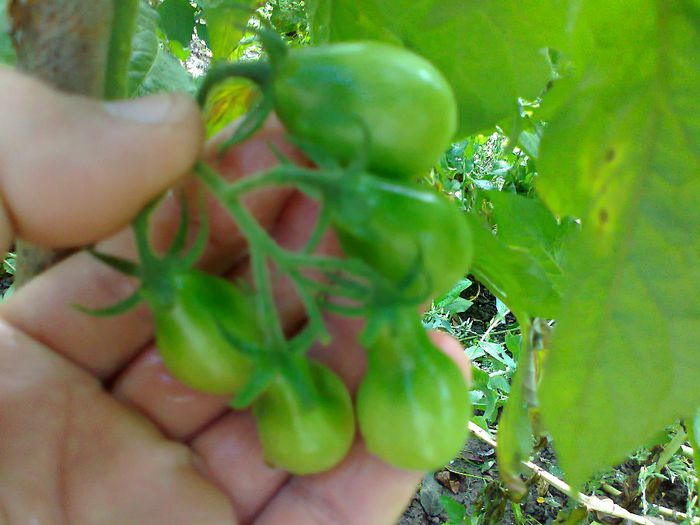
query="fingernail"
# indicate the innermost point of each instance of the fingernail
(155, 109)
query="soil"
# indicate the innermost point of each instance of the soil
(472, 480)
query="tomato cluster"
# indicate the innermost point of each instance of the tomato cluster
(382, 115)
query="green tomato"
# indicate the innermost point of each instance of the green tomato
(329, 95)
(189, 332)
(305, 437)
(413, 405)
(410, 234)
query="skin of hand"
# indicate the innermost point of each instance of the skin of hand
(93, 430)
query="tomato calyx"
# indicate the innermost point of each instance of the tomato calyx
(157, 274)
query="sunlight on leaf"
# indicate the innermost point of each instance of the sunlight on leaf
(625, 158)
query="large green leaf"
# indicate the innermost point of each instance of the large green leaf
(152, 68)
(526, 224)
(7, 51)
(145, 47)
(226, 22)
(512, 274)
(177, 20)
(167, 74)
(491, 51)
(623, 154)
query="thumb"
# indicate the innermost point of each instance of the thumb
(74, 170)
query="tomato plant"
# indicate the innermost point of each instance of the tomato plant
(617, 159)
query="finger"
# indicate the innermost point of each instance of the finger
(72, 454)
(232, 457)
(73, 170)
(43, 307)
(362, 489)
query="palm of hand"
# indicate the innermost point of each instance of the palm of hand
(73, 454)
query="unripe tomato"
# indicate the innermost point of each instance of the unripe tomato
(303, 438)
(405, 232)
(189, 332)
(408, 109)
(413, 405)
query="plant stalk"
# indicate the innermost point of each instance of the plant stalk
(70, 45)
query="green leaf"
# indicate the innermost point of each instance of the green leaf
(145, 47)
(456, 512)
(228, 101)
(167, 74)
(451, 302)
(226, 22)
(512, 275)
(177, 20)
(526, 224)
(625, 158)
(7, 50)
(491, 52)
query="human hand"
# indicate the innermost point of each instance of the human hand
(93, 430)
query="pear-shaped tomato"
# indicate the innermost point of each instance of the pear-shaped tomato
(413, 236)
(309, 435)
(413, 405)
(344, 97)
(189, 332)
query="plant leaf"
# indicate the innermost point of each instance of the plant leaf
(456, 512)
(625, 158)
(7, 50)
(177, 20)
(694, 433)
(167, 74)
(512, 275)
(144, 48)
(226, 21)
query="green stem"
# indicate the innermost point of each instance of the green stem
(274, 336)
(264, 248)
(322, 222)
(670, 449)
(119, 52)
(261, 246)
(693, 426)
(310, 182)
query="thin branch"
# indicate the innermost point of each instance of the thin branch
(592, 503)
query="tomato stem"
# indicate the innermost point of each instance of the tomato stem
(263, 249)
